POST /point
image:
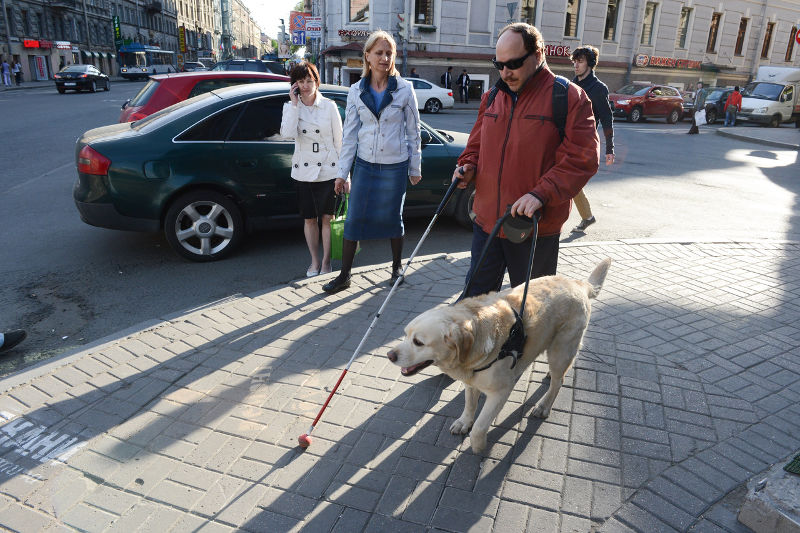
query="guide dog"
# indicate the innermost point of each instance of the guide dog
(464, 340)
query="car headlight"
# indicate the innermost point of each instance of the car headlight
(760, 110)
(623, 102)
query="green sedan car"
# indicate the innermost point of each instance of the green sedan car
(214, 167)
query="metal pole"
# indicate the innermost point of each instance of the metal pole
(8, 28)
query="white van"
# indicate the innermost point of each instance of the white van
(773, 97)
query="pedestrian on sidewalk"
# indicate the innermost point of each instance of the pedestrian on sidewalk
(9, 339)
(733, 105)
(17, 71)
(549, 176)
(463, 86)
(382, 135)
(699, 103)
(6, 68)
(447, 79)
(584, 60)
(413, 73)
(314, 123)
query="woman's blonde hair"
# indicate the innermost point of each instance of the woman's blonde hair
(373, 39)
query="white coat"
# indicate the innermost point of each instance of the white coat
(317, 133)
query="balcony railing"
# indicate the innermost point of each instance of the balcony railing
(63, 4)
(153, 7)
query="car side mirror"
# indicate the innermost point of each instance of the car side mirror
(425, 136)
(783, 98)
(128, 101)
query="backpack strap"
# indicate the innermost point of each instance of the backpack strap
(491, 97)
(560, 103)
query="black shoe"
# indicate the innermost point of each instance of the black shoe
(12, 338)
(585, 223)
(396, 274)
(337, 284)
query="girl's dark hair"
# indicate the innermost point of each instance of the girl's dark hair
(303, 69)
(590, 53)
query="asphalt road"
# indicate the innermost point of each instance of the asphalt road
(68, 283)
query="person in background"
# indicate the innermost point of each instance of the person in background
(314, 123)
(382, 135)
(507, 172)
(6, 68)
(699, 103)
(585, 59)
(9, 339)
(447, 79)
(17, 70)
(413, 73)
(463, 86)
(733, 105)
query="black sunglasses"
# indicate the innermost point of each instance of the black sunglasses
(513, 64)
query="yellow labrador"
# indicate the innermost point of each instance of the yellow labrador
(464, 338)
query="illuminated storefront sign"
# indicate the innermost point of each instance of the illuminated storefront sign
(644, 60)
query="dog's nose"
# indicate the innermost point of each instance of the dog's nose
(392, 355)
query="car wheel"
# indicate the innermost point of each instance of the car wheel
(463, 207)
(108, 85)
(775, 121)
(673, 117)
(711, 116)
(94, 87)
(433, 106)
(60, 90)
(203, 226)
(636, 115)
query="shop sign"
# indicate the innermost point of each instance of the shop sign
(354, 63)
(557, 50)
(643, 60)
(354, 35)
(313, 27)
(45, 44)
(182, 39)
(117, 32)
(41, 69)
(30, 43)
(63, 45)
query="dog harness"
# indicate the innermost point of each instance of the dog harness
(513, 345)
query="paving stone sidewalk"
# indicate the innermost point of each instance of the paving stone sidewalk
(686, 386)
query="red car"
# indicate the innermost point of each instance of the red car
(636, 102)
(163, 90)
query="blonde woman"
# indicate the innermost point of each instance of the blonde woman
(316, 126)
(381, 134)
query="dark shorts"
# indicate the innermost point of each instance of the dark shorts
(315, 198)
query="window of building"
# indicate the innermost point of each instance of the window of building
(479, 17)
(10, 18)
(612, 12)
(571, 18)
(26, 23)
(713, 30)
(740, 37)
(648, 22)
(528, 13)
(767, 40)
(790, 46)
(423, 12)
(359, 10)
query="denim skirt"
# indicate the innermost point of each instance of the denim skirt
(377, 194)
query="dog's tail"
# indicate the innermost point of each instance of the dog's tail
(598, 276)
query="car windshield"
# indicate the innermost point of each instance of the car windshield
(159, 118)
(76, 68)
(765, 91)
(143, 96)
(637, 90)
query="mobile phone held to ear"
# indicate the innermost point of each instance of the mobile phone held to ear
(296, 91)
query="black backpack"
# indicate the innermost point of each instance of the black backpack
(444, 76)
(559, 103)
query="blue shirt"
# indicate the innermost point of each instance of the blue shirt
(377, 96)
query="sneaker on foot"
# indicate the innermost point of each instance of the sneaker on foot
(585, 223)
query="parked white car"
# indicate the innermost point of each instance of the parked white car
(431, 98)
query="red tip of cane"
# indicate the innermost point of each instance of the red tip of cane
(304, 440)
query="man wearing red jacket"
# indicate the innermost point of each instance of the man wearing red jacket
(732, 105)
(516, 157)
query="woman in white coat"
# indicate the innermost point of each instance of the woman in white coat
(316, 126)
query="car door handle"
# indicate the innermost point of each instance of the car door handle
(247, 163)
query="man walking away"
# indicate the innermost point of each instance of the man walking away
(699, 103)
(732, 106)
(585, 59)
(6, 68)
(463, 86)
(525, 164)
(447, 79)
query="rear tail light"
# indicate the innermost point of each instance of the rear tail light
(450, 93)
(90, 161)
(84, 76)
(136, 116)
(57, 76)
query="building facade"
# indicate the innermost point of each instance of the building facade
(245, 33)
(196, 19)
(675, 42)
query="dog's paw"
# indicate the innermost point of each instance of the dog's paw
(541, 411)
(477, 441)
(460, 427)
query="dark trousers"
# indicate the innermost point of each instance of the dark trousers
(504, 254)
(694, 129)
(464, 93)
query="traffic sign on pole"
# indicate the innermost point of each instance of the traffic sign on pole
(298, 37)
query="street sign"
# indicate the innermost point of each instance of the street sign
(313, 27)
(297, 21)
(298, 37)
(797, 37)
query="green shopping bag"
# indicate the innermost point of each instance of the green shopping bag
(337, 225)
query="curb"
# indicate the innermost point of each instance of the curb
(724, 132)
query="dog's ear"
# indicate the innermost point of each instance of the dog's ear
(460, 337)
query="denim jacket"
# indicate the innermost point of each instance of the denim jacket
(389, 134)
